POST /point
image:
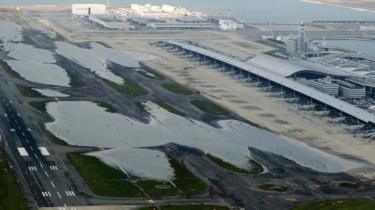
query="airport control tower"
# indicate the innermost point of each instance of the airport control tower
(301, 45)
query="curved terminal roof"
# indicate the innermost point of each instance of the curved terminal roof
(324, 98)
(287, 68)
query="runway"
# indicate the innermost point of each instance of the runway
(47, 184)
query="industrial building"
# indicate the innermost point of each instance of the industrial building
(326, 85)
(110, 23)
(229, 25)
(351, 91)
(292, 45)
(88, 9)
(252, 72)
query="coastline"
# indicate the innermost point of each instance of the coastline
(339, 5)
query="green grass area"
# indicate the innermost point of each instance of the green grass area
(102, 179)
(39, 105)
(129, 87)
(210, 107)
(256, 168)
(272, 187)
(75, 80)
(11, 197)
(170, 108)
(107, 106)
(227, 165)
(9, 70)
(28, 91)
(144, 73)
(187, 207)
(58, 140)
(27, 40)
(350, 204)
(154, 188)
(108, 181)
(150, 70)
(141, 106)
(185, 180)
(177, 88)
(350, 185)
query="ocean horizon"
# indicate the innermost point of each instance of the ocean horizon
(248, 10)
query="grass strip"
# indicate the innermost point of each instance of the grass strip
(226, 165)
(28, 91)
(210, 107)
(187, 207)
(256, 168)
(107, 106)
(170, 108)
(150, 70)
(11, 197)
(158, 188)
(39, 105)
(129, 87)
(9, 70)
(272, 187)
(185, 180)
(339, 204)
(177, 88)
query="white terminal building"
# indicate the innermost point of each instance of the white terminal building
(159, 11)
(150, 16)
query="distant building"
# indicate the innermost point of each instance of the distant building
(302, 44)
(292, 46)
(229, 25)
(350, 90)
(326, 85)
(88, 9)
(297, 45)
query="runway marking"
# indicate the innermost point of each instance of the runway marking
(53, 185)
(44, 151)
(70, 193)
(46, 194)
(45, 172)
(53, 168)
(23, 152)
(58, 194)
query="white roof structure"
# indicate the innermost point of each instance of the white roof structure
(331, 101)
(287, 68)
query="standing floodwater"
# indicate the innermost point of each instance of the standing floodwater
(230, 142)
